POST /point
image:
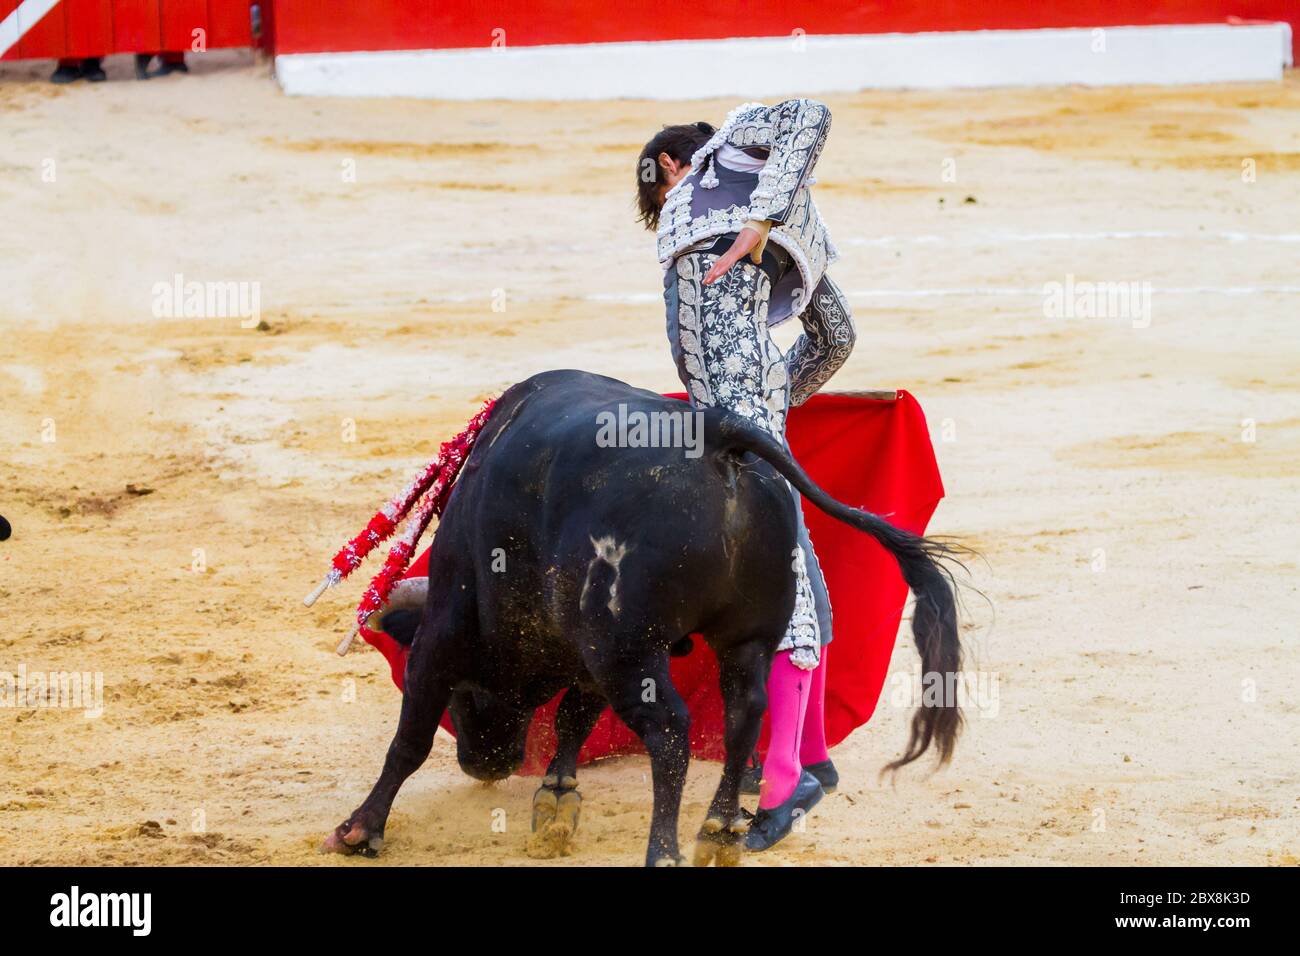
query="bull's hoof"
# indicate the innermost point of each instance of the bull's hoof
(669, 861)
(720, 843)
(717, 854)
(556, 809)
(353, 839)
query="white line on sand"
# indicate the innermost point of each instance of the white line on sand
(640, 298)
(998, 237)
(1038, 291)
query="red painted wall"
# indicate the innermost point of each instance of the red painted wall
(78, 28)
(313, 26)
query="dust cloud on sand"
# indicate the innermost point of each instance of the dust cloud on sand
(177, 484)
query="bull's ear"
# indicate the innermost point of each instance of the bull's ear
(401, 625)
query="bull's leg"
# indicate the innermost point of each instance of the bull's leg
(643, 695)
(743, 679)
(429, 684)
(575, 717)
(557, 803)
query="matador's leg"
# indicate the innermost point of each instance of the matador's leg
(727, 357)
(828, 339)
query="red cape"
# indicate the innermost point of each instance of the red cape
(870, 453)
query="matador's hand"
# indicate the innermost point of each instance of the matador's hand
(752, 240)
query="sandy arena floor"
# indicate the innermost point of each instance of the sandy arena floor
(1140, 555)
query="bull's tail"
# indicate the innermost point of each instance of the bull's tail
(922, 561)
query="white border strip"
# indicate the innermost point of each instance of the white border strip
(860, 295)
(690, 69)
(21, 19)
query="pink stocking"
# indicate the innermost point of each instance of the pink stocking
(812, 746)
(788, 689)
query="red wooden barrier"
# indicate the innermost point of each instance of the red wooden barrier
(136, 25)
(81, 28)
(46, 33)
(318, 26)
(86, 24)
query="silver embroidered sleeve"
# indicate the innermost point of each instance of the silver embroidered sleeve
(795, 132)
(828, 338)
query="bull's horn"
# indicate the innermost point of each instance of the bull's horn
(408, 594)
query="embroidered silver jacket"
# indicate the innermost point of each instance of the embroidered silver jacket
(711, 202)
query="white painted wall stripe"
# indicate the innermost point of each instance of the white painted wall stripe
(763, 67)
(23, 17)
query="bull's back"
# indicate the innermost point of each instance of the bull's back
(559, 477)
(554, 458)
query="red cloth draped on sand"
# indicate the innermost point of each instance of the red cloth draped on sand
(871, 453)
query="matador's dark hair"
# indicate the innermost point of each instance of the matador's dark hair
(679, 142)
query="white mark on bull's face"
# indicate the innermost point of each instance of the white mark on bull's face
(611, 553)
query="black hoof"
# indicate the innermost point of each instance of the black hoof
(557, 806)
(353, 839)
(720, 842)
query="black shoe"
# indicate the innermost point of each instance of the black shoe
(142, 65)
(772, 826)
(92, 71)
(826, 775)
(165, 67)
(66, 74)
(751, 781)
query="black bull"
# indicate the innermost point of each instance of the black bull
(560, 562)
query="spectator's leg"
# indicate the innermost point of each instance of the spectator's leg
(171, 61)
(67, 71)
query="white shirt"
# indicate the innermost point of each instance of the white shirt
(739, 160)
